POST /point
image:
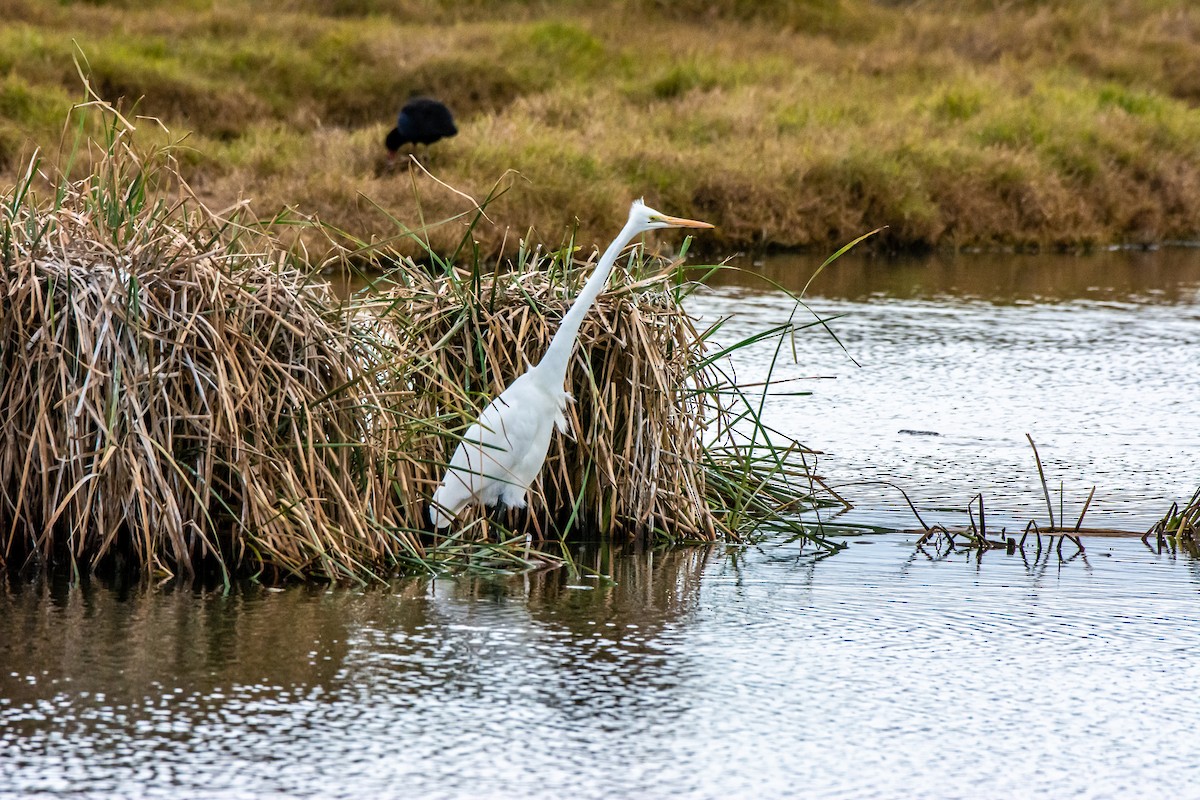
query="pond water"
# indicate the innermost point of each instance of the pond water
(879, 672)
(882, 671)
(1097, 358)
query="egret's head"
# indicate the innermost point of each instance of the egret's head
(645, 218)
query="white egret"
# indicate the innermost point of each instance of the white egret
(501, 454)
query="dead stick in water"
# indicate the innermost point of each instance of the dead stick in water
(1085, 508)
(982, 524)
(1042, 475)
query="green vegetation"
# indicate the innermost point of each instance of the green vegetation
(1179, 527)
(797, 123)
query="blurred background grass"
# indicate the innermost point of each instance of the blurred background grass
(800, 123)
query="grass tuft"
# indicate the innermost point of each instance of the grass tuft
(1180, 525)
(659, 449)
(177, 395)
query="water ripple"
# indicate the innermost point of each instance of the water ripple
(1105, 388)
(876, 673)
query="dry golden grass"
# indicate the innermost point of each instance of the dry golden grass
(180, 396)
(635, 464)
(788, 124)
(175, 400)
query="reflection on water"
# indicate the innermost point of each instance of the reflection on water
(877, 672)
(1159, 276)
(1094, 357)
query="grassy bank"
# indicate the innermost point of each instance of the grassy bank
(789, 124)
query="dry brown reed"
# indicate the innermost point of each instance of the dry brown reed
(179, 396)
(634, 465)
(176, 395)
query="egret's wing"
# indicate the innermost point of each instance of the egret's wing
(501, 454)
(509, 426)
(483, 464)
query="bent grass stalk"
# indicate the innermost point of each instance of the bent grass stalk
(1179, 526)
(976, 536)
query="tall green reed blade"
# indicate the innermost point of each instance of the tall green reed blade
(747, 466)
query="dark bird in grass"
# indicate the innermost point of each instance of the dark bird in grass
(423, 120)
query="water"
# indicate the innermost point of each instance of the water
(878, 672)
(882, 671)
(1095, 358)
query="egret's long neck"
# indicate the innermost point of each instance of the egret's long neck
(553, 365)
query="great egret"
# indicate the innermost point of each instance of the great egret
(501, 454)
(423, 120)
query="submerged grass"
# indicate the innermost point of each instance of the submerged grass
(976, 537)
(183, 395)
(1179, 526)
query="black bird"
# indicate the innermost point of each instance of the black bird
(423, 120)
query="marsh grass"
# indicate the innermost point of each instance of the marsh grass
(636, 417)
(184, 395)
(664, 445)
(1179, 526)
(178, 396)
(976, 537)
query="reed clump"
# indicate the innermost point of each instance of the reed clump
(664, 444)
(1180, 525)
(177, 396)
(634, 464)
(182, 395)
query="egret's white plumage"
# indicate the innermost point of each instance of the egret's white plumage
(501, 454)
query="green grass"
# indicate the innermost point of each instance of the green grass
(1179, 527)
(788, 124)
